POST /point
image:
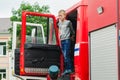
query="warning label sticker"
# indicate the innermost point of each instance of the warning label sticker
(77, 49)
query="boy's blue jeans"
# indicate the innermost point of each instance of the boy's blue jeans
(65, 45)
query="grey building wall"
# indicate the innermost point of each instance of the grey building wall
(5, 24)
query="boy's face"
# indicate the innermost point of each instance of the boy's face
(61, 16)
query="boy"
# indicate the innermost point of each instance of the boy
(65, 30)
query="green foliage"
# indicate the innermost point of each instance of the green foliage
(25, 6)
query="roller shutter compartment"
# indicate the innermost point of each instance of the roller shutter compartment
(103, 54)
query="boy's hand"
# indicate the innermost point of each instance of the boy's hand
(72, 37)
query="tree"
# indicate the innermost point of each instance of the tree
(25, 6)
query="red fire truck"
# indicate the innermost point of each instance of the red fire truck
(96, 22)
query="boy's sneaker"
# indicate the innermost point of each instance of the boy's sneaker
(67, 72)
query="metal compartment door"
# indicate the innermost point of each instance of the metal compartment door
(103, 54)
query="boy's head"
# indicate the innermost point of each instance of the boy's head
(62, 15)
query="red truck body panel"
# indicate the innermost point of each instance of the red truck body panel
(109, 15)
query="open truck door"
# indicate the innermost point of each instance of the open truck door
(37, 54)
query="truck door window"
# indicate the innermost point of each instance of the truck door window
(44, 33)
(35, 35)
(52, 38)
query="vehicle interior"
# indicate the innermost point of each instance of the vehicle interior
(72, 16)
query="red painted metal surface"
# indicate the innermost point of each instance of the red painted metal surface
(81, 61)
(23, 38)
(118, 8)
(109, 15)
(48, 77)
